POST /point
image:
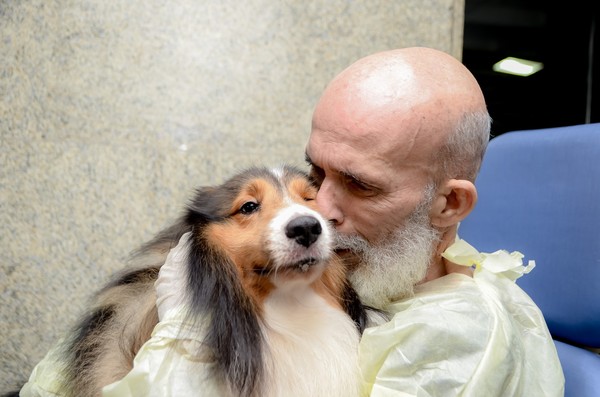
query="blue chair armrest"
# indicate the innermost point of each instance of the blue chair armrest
(582, 370)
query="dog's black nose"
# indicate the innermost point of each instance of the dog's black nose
(304, 229)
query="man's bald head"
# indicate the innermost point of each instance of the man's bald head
(422, 94)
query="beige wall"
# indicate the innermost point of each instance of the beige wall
(111, 112)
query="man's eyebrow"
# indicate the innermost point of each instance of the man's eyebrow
(358, 179)
(345, 174)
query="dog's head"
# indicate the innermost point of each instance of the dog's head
(256, 233)
(265, 222)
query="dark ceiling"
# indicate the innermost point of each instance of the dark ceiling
(563, 36)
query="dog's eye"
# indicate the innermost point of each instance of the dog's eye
(248, 207)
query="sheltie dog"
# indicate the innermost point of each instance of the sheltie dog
(279, 315)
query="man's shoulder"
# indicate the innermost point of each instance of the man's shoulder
(452, 307)
(454, 292)
(468, 314)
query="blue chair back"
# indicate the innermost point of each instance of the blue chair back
(539, 193)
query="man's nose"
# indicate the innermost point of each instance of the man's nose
(327, 201)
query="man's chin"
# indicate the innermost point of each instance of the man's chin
(385, 274)
(378, 286)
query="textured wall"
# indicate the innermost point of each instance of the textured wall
(111, 112)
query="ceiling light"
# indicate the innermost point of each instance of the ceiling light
(517, 66)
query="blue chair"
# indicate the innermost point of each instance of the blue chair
(539, 193)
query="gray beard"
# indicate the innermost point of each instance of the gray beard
(389, 271)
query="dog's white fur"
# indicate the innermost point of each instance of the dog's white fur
(299, 322)
(293, 340)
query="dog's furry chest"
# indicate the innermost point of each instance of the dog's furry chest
(312, 347)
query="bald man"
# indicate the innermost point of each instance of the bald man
(397, 141)
(398, 138)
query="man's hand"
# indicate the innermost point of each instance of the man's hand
(172, 279)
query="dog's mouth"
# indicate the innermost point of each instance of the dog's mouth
(301, 266)
(304, 265)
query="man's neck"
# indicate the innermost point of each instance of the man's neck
(440, 266)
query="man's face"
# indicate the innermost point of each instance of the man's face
(381, 214)
(377, 193)
(388, 229)
(361, 191)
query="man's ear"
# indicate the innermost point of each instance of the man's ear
(454, 200)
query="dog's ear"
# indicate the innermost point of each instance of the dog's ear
(234, 334)
(209, 204)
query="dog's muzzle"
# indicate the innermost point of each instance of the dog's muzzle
(299, 239)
